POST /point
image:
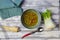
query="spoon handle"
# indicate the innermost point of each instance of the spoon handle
(28, 34)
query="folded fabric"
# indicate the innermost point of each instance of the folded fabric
(18, 2)
(9, 3)
(10, 12)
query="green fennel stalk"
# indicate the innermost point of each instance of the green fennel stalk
(49, 24)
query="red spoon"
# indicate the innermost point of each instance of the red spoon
(40, 29)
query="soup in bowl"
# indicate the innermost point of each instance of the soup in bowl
(31, 18)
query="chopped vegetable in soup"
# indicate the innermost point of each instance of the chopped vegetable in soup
(30, 18)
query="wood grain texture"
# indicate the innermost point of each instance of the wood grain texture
(33, 4)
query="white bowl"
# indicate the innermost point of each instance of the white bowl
(37, 24)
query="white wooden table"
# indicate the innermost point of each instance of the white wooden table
(33, 4)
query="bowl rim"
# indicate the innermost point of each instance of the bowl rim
(39, 19)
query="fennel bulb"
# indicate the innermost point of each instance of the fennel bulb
(48, 23)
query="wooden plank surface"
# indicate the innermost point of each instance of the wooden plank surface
(16, 21)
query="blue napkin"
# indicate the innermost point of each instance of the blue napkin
(9, 3)
(18, 2)
(10, 12)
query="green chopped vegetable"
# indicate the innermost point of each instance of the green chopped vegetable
(49, 24)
